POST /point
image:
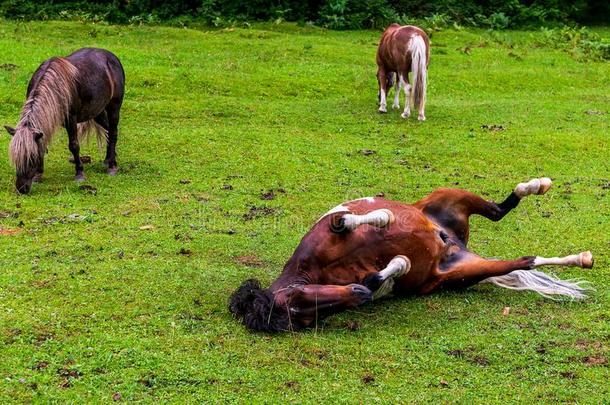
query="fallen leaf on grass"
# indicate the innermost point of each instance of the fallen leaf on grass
(367, 152)
(8, 232)
(84, 159)
(506, 311)
(116, 396)
(147, 228)
(595, 360)
(594, 112)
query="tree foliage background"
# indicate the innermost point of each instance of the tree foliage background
(335, 14)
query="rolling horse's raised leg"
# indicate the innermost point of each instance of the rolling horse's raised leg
(451, 208)
(348, 222)
(382, 283)
(466, 269)
(74, 147)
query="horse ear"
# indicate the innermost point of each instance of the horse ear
(11, 131)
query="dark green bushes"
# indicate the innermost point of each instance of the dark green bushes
(334, 14)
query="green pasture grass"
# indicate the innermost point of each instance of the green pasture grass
(94, 308)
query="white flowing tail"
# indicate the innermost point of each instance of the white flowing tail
(87, 128)
(542, 283)
(417, 48)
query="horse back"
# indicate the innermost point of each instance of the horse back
(393, 50)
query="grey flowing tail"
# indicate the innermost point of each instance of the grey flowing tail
(544, 284)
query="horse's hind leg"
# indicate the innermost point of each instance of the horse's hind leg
(464, 269)
(112, 113)
(74, 146)
(396, 104)
(451, 208)
(404, 81)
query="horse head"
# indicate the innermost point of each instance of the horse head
(26, 151)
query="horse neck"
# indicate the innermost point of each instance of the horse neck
(291, 275)
(49, 100)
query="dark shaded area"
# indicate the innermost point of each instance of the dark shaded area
(334, 14)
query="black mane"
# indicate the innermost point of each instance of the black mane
(255, 308)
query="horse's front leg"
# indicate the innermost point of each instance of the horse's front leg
(306, 304)
(73, 145)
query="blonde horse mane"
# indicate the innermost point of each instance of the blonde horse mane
(44, 111)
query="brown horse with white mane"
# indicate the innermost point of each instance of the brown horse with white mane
(82, 92)
(370, 248)
(403, 49)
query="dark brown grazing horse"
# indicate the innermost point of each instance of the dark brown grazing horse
(82, 92)
(369, 248)
(403, 49)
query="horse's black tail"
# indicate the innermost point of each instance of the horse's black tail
(256, 309)
(85, 129)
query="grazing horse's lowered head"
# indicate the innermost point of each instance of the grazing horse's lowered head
(367, 249)
(27, 150)
(82, 92)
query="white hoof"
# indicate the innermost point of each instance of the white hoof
(395, 106)
(405, 114)
(421, 117)
(382, 110)
(534, 186)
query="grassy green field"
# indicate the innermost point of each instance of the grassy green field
(119, 290)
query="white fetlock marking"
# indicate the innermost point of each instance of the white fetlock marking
(396, 104)
(382, 101)
(378, 218)
(584, 259)
(407, 87)
(398, 267)
(534, 186)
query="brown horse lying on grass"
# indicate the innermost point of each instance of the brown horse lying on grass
(81, 92)
(366, 249)
(403, 49)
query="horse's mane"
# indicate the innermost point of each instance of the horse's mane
(45, 110)
(256, 309)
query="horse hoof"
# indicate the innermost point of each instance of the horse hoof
(112, 171)
(80, 177)
(586, 260)
(545, 184)
(405, 115)
(361, 292)
(382, 111)
(396, 106)
(421, 117)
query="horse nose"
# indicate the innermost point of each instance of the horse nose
(24, 188)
